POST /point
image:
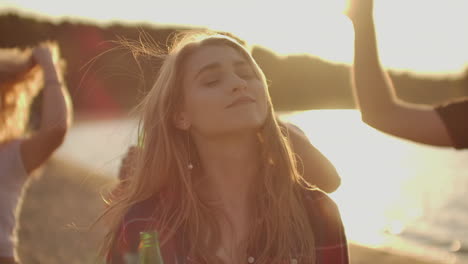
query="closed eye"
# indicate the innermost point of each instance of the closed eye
(246, 73)
(212, 82)
(248, 76)
(212, 78)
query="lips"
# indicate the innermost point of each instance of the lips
(241, 100)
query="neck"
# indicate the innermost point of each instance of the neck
(230, 165)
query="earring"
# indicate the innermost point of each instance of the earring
(190, 165)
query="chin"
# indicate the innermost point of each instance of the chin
(253, 123)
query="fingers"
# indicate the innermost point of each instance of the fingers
(46, 52)
(42, 55)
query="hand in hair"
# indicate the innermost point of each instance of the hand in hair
(56, 113)
(44, 55)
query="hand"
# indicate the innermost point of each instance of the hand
(42, 54)
(46, 54)
(359, 10)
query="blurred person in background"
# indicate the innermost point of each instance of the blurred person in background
(444, 125)
(23, 73)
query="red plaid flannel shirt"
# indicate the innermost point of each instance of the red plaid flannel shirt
(330, 238)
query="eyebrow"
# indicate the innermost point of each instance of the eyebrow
(214, 65)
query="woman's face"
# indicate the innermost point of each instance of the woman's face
(223, 93)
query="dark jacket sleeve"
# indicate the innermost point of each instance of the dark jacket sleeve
(455, 117)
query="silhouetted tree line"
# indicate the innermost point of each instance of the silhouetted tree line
(103, 77)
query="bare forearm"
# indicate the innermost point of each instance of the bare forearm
(55, 119)
(372, 86)
(56, 108)
(374, 92)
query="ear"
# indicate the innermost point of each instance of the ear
(181, 121)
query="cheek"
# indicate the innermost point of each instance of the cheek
(262, 97)
(203, 107)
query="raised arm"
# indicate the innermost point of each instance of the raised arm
(375, 94)
(56, 114)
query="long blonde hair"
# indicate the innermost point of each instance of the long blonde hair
(281, 228)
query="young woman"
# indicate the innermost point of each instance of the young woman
(216, 176)
(22, 75)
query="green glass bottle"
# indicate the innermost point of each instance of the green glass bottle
(141, 136)
(149, 248)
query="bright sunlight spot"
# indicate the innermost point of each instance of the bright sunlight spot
(372, 195)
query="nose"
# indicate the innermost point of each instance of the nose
(237, 83)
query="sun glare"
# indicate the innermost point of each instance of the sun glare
(316, 27)
(373, 185)
(421, 36)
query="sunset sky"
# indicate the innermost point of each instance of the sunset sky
(423, 36)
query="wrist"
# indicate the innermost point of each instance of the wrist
(363, 25)
(363, 21)
(50, 73)
(45, 61)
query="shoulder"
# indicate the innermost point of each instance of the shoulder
(320, 204)
(330, 239)
(316, 196)
(325, 219)
(290, 128)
